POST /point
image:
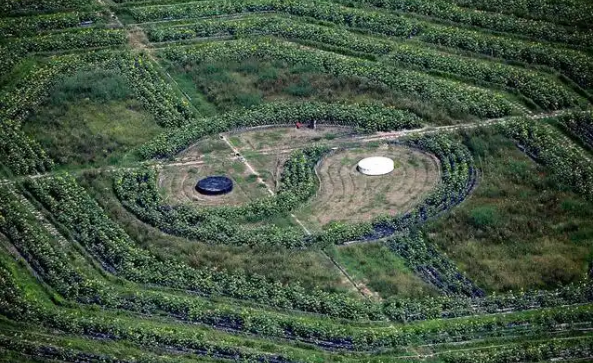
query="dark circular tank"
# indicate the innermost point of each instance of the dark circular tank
(215, 185)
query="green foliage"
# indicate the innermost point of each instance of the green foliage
(569, 165)
(25, 26)
(580, 124)
(371, 117)
(442, 9)
(520, 227)
(86, 38)
(453, 96)
(76, 286)
(84, 132)
(432, 265)
(138, 192)
(484, 216)
(97, 85)
(574, 64)
(32, 6)
(571, 12)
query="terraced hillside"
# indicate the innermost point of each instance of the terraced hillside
(477, 248)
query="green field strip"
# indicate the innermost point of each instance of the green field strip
(444, 11)
(379, 22)
(544, 90)
(98, 265)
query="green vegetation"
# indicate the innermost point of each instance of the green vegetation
(230, 85)
(521, 227)
(380, 270)
(478, 247)
(91, 118)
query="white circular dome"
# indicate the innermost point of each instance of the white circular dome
(376, 165)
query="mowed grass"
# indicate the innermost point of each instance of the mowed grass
(229, 85)
(520, 228)
(310, 268)
(383, 272)
(346, 195)
(177, 183)
(91, 118)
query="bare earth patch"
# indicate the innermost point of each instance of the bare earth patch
(177, 184)
(278, 138)
(349, 196)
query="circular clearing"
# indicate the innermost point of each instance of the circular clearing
(347, 195)
(215, 185)
(376, 165)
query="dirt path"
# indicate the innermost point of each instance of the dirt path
(363, 290)
(367, 138)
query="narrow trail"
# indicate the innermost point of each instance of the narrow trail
(114, 19)
(365, 138)
(244, 161)
(363, 290)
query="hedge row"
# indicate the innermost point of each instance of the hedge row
(548, 93)
(569, 12)
(432, 265)
(25, 156)
(455, 97)
(19, 7)
(576, 65)
(574, 349)
(30, 25)
(138, 192)
(320, 332)
(20, 153)
(86, 38)
(168, 106)
(569, 164)
(580, 125)
(369, 117)
(445, 10)
(93, 325)
(117, 253)
(545, 91)
(33, 243)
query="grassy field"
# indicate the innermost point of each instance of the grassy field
(384, 273)
(520, 228)
(307, 267)
(270, 140)
(177, 183)
(477, 248)
(91, 119)
(232, 85)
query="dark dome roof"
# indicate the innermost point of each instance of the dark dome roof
(215, 185)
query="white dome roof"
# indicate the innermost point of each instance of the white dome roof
(376, 165)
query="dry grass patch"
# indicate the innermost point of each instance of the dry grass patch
(273, 139)
(347, 195)
(177, 183)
